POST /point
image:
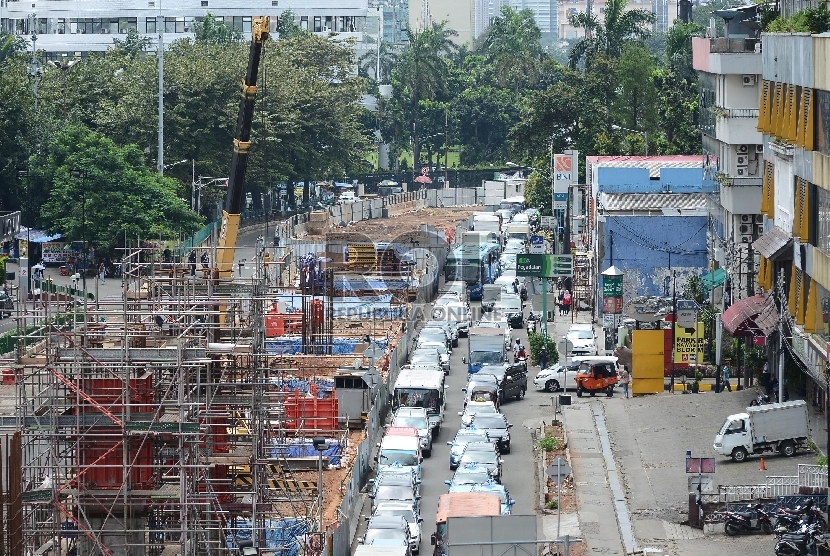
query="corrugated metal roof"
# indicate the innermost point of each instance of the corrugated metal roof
(634, 202)
(772, 243)
(652, 163)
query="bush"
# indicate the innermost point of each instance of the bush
(535, 341)
(550, 444)
(810, 20)
(552, 504)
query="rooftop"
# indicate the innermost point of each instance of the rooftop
(652, 163)
(670, 204)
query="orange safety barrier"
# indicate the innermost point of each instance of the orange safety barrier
(280, 324)
(311, 413)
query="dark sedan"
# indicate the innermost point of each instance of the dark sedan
(496, 427)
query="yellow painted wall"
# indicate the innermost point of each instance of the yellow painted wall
(647, 361)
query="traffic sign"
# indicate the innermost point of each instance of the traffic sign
(547, 222)
(537, 245)
(558, 470)
(545, 266)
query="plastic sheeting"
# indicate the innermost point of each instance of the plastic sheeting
(304, 448)
(294, 346)
(280, 535)
(323, 386)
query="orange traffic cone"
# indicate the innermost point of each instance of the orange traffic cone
(762, 467)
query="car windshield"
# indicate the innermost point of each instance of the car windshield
(490, 422)
(479, 409)
(425, 357)
(408, 515)
(416, 397)
(410, 421)
(384, 534)
(442, 348)
(388, 457)
(471, 477)
(394, 492)
(581, 334)
(464, 437)
(433, 334)
(486, 357)
(479, 456)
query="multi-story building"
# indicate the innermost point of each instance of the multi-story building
(729, 71)
(74, 27)
(794, 117)
(665, 12)
(467, 17)
(544, 12)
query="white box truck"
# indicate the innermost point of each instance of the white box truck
(777, 427)
(374, 550)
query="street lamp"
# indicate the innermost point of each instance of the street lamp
(644, 134)
(81, 174)
(321, 446)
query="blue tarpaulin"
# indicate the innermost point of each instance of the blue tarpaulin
(300, 448)
(304, 386)
(280, 535)
(294, 346)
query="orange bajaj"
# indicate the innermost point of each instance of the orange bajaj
(596, 376)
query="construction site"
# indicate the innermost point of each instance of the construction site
(197, 414)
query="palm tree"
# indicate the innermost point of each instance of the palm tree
(388, 59)
(424, 70)
(512, 45)
(608, 37)
(9, 44)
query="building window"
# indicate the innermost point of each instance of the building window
(126, 23)
(304, 23)
(822, 109)
(151, 25)
(822, 212)
(318, 24)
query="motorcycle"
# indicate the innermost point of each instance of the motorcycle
(757, 519)
(532, 321)
(762, 399)
(808, 541)
(791, 520)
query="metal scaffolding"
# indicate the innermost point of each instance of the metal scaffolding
(157, 423)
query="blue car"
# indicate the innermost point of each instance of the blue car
(490, 487)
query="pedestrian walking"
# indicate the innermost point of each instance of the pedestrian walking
(102, 273)
(75, 279)
(566, 302)
(543, 359)
(625, 379)
(724, 379)
(561, 305)
(205, 260)
(766, 376)
(192, 260)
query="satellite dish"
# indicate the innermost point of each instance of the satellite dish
(356, 363)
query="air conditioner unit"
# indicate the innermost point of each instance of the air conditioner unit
(759, 218)
(759, 230)
(743, 160)
(746, 238)
(749, 80)
(742, 172)
(759, 149)
(743, 149)
(746, 218)
(746, 229)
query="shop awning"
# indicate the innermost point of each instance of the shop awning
(751, 316)
(774, 244)
(36, 236)
(713, 279)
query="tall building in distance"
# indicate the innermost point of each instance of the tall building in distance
(664, 10)
(544, 11)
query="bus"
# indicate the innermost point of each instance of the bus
(513, 204)
(475, 264)
(461, 504)
(421, 387)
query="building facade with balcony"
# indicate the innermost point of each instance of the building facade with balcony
(794, 117)
(75, 27)
(729, 70)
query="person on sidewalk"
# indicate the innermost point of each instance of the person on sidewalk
(724, 379)
(192, 260)
(625, 378)
(559, 299)
(102, 273)
(566, 302)
(543, 359)
(766, 376)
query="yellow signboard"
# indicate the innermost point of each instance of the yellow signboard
(684, 344)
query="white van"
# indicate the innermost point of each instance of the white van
(400, 453)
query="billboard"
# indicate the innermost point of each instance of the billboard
(565, 173)
(684, 344)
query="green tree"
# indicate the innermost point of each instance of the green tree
(618, 27)
(10, 45)
(538, 189)
(484, 116)
(677, 114)
(635, 103)
(134, 44)
(388, 60)
(113, 191)
(511, 44)
(679, 48)
(15, 128)
(287, 25)
(214, 30)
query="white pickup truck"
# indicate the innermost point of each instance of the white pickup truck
(776, 427)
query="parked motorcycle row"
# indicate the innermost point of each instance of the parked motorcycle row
(799, 531)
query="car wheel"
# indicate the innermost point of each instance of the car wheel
(455, 343)
(788, 449)
(552, 385)
(610, 391)
(739, 454)
(593, 393)
(428, 453)
(506, 449)
(579, 391)
(731, 529)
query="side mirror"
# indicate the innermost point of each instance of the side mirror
(509, 425)
(364, 516)
(511, 502)
(449, 443)
(448, 482)
(463, 389)
(361, 540)
(420, 520)
(431, 539)
(418, 497)
(376, 459)
(417, 481)
(372, 496)
(377, 446)
(500, 461)
(421, 459)
(460, 413)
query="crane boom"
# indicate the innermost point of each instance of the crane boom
(241, 145)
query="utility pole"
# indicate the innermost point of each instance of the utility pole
(674, 323)
(34, 66)
(160, 54)
(446, 147)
